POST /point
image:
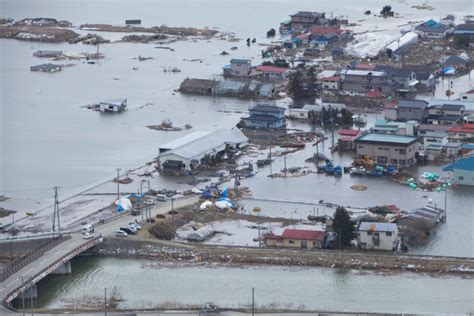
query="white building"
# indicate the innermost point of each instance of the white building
(378, 236)
(186, 154)
(113, 105)
(467, 96)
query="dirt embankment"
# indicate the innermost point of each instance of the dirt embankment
(180, 31)
(194, 254)
(38, 33)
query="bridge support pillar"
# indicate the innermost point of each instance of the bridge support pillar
(63, 269)
(29, 293)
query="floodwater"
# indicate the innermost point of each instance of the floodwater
(49, 140)
(145, 283)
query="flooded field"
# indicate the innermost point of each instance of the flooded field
(147, 284)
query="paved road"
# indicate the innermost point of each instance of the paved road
(52, 256)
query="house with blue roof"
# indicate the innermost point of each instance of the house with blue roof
(463, 171)
(265, 117)
(432, 29)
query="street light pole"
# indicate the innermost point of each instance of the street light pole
(118, 184)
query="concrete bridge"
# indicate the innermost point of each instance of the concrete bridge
(54, 256)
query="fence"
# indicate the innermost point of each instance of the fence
(19, 263)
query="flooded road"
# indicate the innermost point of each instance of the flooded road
(146, 284)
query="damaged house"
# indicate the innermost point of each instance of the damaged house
(185, 155)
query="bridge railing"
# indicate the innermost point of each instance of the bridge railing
(17, 264)
(49, 268)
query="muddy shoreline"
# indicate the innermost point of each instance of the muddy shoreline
(174, 253)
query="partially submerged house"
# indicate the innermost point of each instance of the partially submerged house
(197, 86)
(425, 75)
(467, 96)
(46, 68)
(382, 126)
(362, 81)
(445, 113)
(404, 79)
(432, 29)
(265, 116)
(346, 140)
(304, 20)
(48, 53)
(395, 150)
(408, 110)
(272, 72)
(464, 35)
(378, 236)
(296, 238)
(113, 105)
(185, 155)
(463, 171)
(463, 133)
(239, 67)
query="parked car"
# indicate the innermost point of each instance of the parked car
(137, 226)
(88, 236)
(120, 233)
(132, 228)
(161, 197)
(87, 228)
(127, 230)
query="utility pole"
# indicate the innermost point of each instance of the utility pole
(118, 184)
(105, 301)
(23, 296)
(284, 161)
(31, 299)
(446, 204)
(148, 181)
(11, 237)
(258, 210)
(56, 212)
(172, 209)
(253, 301)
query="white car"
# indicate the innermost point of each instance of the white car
(137, 226)
(120, 233)
(88, 228)
(88, 235)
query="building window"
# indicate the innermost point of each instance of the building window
(461, 178)
(403, 161)
(402, 151)
(291, 242)
(369, 233)
(388, 234)
(360, 147)
(393, 161)
(382, 159)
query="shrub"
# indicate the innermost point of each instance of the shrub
(163, 230)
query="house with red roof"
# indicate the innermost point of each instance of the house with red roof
(467, 96)
(346, 138)
(296, 238)
(272, 72)
(463, 133)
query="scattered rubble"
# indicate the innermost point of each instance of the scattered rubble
(167, 126)
(180, 31)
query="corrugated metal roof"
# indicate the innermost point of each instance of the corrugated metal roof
(395, 139)
(184, 140)
(377, 226)
(461, 164)
(208, 143)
